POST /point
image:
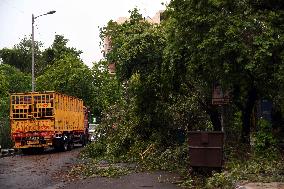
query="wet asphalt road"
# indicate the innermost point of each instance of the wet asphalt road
(153, 180)
(35, 171)
(48, 171)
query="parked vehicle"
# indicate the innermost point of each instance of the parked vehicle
(48, 119)
(93, 135)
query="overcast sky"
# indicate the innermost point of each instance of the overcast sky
(77, 20)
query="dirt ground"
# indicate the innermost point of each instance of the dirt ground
(46, 171)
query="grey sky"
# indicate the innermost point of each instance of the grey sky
(77, 20)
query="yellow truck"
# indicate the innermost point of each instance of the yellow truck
(47, 119)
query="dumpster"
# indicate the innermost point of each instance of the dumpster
(206, 149)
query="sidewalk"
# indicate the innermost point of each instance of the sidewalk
(273, 185)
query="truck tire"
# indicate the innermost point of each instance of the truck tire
(61, 144)
(83, 140)
(70, 146)
(65, 143)
(64, 146)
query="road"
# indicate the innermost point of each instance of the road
(49, 170)
(46, 171)
(35, 171)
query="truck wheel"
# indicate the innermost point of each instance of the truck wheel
(83, 141)
(64, 146)
(70, 146)
(64, 143)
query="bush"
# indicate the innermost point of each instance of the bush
(5, 131)
(95, 150)
(220, 180)
(264, 143)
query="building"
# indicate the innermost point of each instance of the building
(156, 19)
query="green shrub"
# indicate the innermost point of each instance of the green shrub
(264, 143)
(255, 169)
(5, 131)
(220, 180)
(95, 150)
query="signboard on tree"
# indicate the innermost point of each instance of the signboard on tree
(218, 96)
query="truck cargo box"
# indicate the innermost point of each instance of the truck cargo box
(47, 119)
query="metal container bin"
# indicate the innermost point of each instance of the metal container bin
(206, 149)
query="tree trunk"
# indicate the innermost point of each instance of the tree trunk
(213, 113)
(215, 118)
(246, 115)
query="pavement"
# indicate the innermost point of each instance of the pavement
(153, 180)
(35, 171)
(47, 171)
(258, 185)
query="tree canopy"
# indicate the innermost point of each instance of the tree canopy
(68, 75)
(236, 43)
(20, 56)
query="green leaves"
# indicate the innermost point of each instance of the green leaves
(164, 77)
(70, 76)
(107, 89)
(233, 42)
(3, 85)
(136, 45)
(20, 56)
(58, 50)
(11, 80)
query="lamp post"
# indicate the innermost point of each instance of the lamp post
(33, 51)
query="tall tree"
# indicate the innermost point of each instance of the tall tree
(68, 75)
(20, 56)
(107, 88)
(137, 48)
(237, 43)
(65, 72)
(58, 50)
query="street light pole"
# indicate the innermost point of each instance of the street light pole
(33, 55)
(33, 47)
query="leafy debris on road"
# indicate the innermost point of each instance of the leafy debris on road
(92, 168)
